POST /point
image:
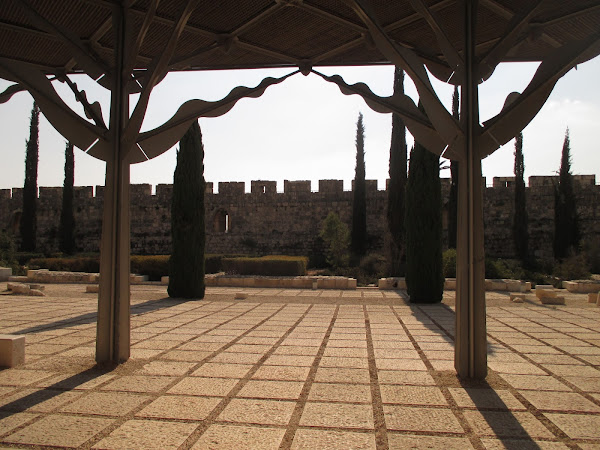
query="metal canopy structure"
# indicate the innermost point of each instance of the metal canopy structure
(128, 46)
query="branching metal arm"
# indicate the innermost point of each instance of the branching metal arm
(155, 142)
(93, 110)
(77, 130)
(441, 119)
(520, 109)
(418, 124)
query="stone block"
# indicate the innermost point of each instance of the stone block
(5, 273)
(36, 293)
(18, 279)
(92, 288)
(341, 283)
(593, 297)
(517, 298)
(352, 283)
(248, 281)
(327, 283)
(450, 284)
(241, 296)
(496, 285)
(314, 283)
(165, 280)
(557, 300)
(391, 283)
(12, 350)
(545, 290)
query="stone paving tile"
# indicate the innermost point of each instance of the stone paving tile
(535, 382)
(573, 370)
(342, 375)
(485, 399)
(560, 401)
(22, 377)
(139, 383)
(577, 426)
(522, 444)
(332, 392)
(412, 395)
(268, 412)
(166, 368)
(515, 368)
(220, 370)
(209, 387)
(37, 400)
(238, 437)
(404, 441)
(411, 418)
(180, 407)
(506, 424)
(340, 361)
(10, 421)
(147, 434)
(60, 431)
(399, 364)
(105, 403)
(334, 440)
(337, 415)
(237, 358)
(405, 377)
(586, 384)
(289, 390)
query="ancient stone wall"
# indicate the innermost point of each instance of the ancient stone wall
(265, 221)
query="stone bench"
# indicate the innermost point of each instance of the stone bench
(5, 273)
(582, 286)
(594, 297)
(12, 350)
(548, 295)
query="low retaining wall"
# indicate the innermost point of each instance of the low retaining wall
(450, 285)
(277, 282)
(582, 286)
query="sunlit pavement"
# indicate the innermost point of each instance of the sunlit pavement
(298, 369)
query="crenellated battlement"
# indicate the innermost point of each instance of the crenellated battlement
(238, 188)
(268, 221)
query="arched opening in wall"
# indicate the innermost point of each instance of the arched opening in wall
(221, 222)
(15, 222)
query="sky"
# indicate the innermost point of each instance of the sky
(305, 128)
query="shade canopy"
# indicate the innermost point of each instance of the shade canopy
(229, 34)
(129, 46)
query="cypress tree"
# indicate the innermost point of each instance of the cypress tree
(359, 203)
(566, 229)
(397, 186)
(186, 266)
(28, 225)
(453, 196)
(67, 219)
(424, 268)
(520, 233)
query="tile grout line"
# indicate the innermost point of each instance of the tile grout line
(469, 433)
(217, 410)
(381, 438)
(294, 421)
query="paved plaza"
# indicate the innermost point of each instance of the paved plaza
(298, 369)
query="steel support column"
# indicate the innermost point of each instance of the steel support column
(113, 329)
(470, 345)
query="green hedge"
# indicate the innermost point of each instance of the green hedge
(267, 265)
(155, 266)
(75, 264)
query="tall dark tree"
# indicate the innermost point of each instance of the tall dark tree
(28, 224)
(359, 204)
(566, 228)
(424, 268)
(67, 219)
(453, 196)
(186, 267)
(520, 233)
(396, 189)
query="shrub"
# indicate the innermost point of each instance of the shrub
(155, 266)
(449, 263)
(573, 267)
(504, 268)
(591, 250)
(266, 265)
(7, 252)
(336, 236)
